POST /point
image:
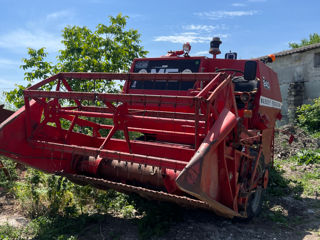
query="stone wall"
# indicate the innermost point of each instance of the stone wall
(295, 99)
(299, 80)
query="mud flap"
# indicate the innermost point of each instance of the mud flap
(200, 178)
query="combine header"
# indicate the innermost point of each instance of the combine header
(193, 130)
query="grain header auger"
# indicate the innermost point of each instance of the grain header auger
(192, 130)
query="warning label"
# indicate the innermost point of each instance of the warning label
(268, 102)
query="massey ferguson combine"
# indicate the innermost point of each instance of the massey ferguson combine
(197, 131)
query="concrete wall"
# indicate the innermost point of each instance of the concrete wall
(297, 68)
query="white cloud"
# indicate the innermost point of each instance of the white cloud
(26, 38)
(8, 62)
(5, 82)
(191, 37)
(213, 15)
(206, 28)
(135, 16)
(238, 4)
(60, 14)
(201, 53)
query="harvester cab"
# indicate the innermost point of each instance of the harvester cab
(197, 131)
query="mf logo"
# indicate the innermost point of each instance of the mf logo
(165, 70)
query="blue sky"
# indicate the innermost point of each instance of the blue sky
(252, 28)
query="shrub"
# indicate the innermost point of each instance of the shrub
(8, 182)
(308, 116)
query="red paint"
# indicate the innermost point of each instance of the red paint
(199, 133)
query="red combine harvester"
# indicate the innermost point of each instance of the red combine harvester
(195, 130)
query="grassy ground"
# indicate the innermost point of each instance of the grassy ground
(57, 209)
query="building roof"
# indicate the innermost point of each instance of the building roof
(294, 50)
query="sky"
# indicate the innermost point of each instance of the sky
(252, 28)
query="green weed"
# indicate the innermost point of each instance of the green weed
(8, 182)
(310, 182)
(8, 232)
(316, 135)
(282, 186)
(307, 156)
(52, 228)
(60, 227)
(115, 203)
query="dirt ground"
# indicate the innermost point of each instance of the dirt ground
(203, 225)
(302, 221)
(285, 217)
(10, 211)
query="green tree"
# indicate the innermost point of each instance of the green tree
(110, 48)
(313, 38)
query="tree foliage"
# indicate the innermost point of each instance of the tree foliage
(313, 38)
(110, 48)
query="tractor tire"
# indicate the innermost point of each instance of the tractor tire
(254, 205)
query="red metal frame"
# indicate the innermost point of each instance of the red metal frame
(179, 125)
(200, 143)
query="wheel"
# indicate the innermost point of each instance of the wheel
(254, 204)
(252, 193)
